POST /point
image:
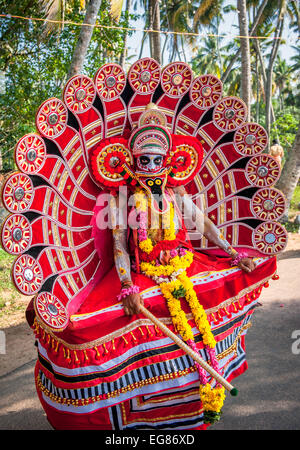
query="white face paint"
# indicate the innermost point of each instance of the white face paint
(149, 163)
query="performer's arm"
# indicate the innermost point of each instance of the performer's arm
(122, 258)
(209, 230)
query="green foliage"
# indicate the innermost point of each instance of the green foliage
(295, 202)
(6, 262)
(285, 128)
(291, 227)
(294, 209)
(179, 292)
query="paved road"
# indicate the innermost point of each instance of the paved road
(269, 394)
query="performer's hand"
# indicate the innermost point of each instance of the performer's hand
(246, 264)
(132, 304)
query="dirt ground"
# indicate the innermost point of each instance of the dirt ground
(19, 339)
(20, 347)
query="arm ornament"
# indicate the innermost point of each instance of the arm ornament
(238, 258)
(125, 291)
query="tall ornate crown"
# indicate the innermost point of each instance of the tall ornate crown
(150, 139)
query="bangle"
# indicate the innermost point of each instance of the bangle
(134, 289)
(237, 259)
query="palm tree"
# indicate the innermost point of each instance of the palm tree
(291, 172)
(269, 72)
(259, 14)
(275, 14)
(245, 55)
(84, 38)
(283, 77)
(152, 22)
(209, 58)
(175, 16)
(125, 49)
(55, 9)
(296, 59)
(154, 17)
(181, 16)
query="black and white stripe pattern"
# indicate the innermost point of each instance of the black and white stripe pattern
(134, 376)
(147, 372)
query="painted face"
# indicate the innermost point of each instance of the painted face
(149, 163)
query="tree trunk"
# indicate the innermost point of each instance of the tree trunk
(269, 73)
(84, 38)
(290, 173)
(155, 25)
(264, 75)
(253, 28)
(125, 50)
(163, 49)
(245, 53)
(257, 90)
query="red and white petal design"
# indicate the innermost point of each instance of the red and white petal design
(262, 171)
(51, 310)
(144, 75)
(268, 204)
(30, 153)
(16, 234)
(185, 159)
(107, 160)
(269, 238)
(251, 139)
(52, 118)
(229, 114)
(79, 94)
(176, 79)
(206, 91)
(17, 193)
(110, 81)
(27, 275)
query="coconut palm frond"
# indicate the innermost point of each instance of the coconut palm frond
(116, 9)
(203, 12)
(53, 10)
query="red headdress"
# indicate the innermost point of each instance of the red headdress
(114, 159)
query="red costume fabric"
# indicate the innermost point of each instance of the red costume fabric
(96, 367)
(111, 371)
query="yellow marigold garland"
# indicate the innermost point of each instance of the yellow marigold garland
(146, 246)
(179, 318)
(142, 204)
(175, 264)
(198, 311)
(182, 286)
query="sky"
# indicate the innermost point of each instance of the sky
(229, 28)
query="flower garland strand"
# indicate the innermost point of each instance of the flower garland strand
(175, 284)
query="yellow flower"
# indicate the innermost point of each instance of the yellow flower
(140, 200)
(198, 311)
(212, 399)
(175, 264)
(178, 316)
(122, 271)
(168, 224)
(146, 246)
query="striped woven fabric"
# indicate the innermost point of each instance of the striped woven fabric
(152, 384)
